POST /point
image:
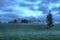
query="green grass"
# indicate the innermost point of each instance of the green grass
(5, 29)
(31, 37)
(22, 26)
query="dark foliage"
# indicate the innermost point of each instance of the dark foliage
(24, 21)
(13, 21)
(49, 20)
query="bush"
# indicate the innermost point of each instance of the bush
(24, 21)
(13, 21)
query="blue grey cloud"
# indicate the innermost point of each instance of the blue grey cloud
(31, 0)
(26, 8)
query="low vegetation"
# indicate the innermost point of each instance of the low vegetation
(15, 31)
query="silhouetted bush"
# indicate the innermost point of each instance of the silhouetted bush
(13, 21)
(24, 21)
(0, 22)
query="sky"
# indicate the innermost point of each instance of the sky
(10, 9)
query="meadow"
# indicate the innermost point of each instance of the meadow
(27, 31)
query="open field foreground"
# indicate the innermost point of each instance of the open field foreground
(28, 32)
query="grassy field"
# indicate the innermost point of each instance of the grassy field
(28, 32)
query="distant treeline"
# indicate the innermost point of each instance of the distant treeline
(15, 21)
(21, 21)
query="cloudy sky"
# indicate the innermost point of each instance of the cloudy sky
(28, 8)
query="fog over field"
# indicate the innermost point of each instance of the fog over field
(38, 9)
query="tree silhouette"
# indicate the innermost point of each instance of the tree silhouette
(15, 21)
(49, 20)
(24, 21)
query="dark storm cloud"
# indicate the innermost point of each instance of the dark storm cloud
(24, 4)
(50, 1)
(9, 15)
(31, 8)
(42, 7)
(2, 2)
(54, 1)
(45, 1)
(8, 10)
(31, 0)
(57, 10)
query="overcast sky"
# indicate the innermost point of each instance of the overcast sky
(26, 8)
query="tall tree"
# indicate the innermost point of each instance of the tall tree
(49, 20)
(15, 21)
